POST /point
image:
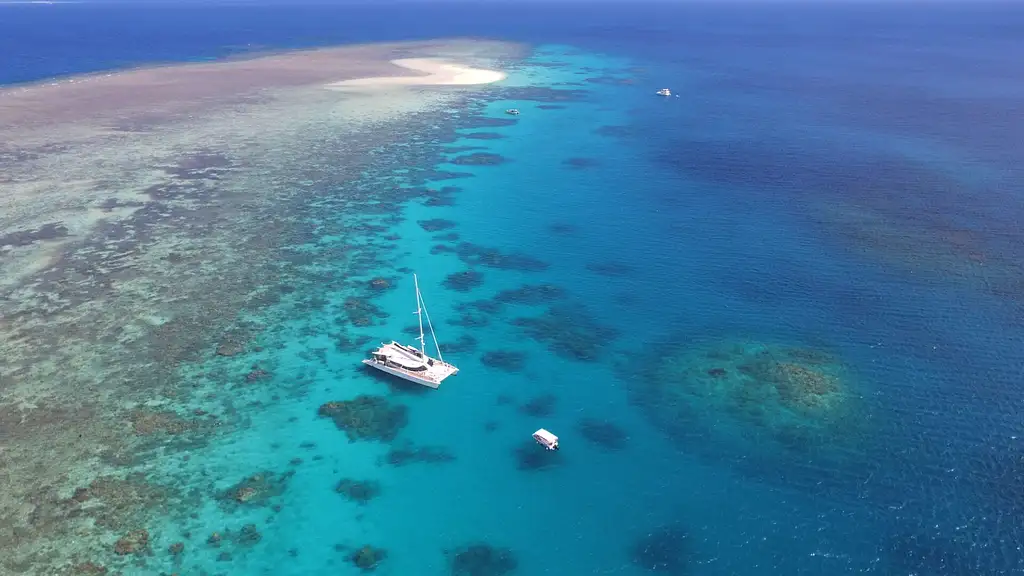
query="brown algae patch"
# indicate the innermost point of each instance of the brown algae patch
(141, 212)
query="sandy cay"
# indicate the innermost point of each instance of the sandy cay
(436, 73)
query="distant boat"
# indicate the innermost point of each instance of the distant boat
(410, 363)
(512, 111)
(664, 92)
(546, 439)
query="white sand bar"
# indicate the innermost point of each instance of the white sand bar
(436, 72)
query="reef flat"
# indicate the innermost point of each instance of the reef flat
(141, 212)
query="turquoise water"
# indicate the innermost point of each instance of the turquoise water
(786, 302)
(646, 267)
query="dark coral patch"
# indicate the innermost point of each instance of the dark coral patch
(507, 360)
(410, 453)
(359, 491)
(562, 229)
(550, 107)
(580, 163)
(481, 559)
(543, 405)
(479, 159)
(256, 490)
(533, 458)
(665, 550)
(465, 343)
(469, 320)
(544, 94)
(603, 433)
(368, 558)
(50, 231)
(361, 313)
(530, 295)
(436, 224)
(367, 417)
(475, 255)
(483, 136)
(569, 332)
(484, 122)
(464, 281)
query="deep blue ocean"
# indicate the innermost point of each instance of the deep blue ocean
(777, 320)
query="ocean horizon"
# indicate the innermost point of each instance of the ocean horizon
(776, 318)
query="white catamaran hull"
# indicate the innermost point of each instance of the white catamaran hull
(406, 375)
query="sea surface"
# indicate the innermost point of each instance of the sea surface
(776, 319)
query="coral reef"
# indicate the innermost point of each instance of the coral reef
(562, 229)
(465, 343)
(543, 94)
(255, 490)
(603, 433)
(483, 136)
(367, 558)
(474, 255)
(464, 281)
(480, 559)
(569, 332)
(507, 360)
(409, 453)
(665, 550)
(773, 407)
(531, 457)
(366, 417)
(540, 406)
(580, 163)
(479, 159)
(358, 491)
(361, 312)
(436, 224)
(134, 542)
(530, 295)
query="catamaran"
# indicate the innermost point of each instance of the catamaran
(408, 362)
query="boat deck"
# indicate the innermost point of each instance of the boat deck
(410, 363)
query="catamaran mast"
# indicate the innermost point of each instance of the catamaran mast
(419, 312)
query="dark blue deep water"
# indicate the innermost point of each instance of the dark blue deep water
(782, 322)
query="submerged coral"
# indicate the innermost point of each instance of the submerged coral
(531, 457)
(543, 405)
(568, 331)
(368, 558)
(409, 453)
(359, 491)
(256, 490)
(665, 550)
(367, 417)
(464, 281)
(507, 360)
(481, 559)
(603, 433)
(772, 405)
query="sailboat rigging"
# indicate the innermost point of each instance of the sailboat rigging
(407, 362)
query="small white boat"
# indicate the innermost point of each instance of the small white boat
(664, 92)
(512, 111)
(546, 439)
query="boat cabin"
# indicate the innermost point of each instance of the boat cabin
(546, 439)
